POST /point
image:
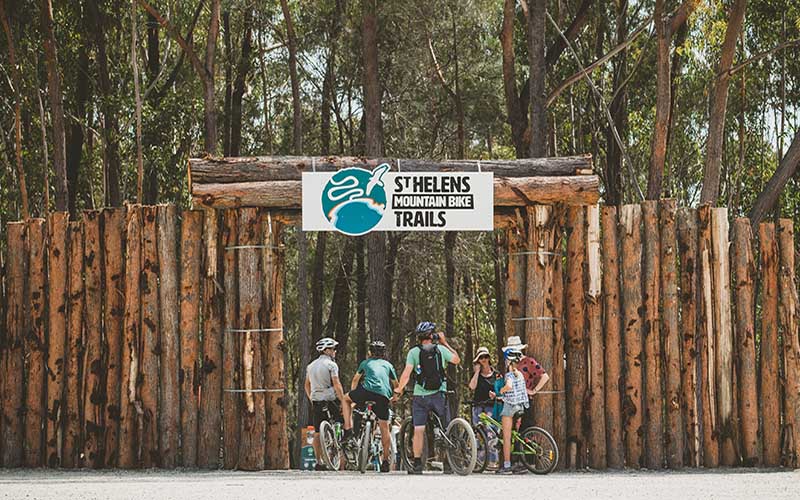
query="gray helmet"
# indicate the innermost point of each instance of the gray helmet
(326, 343)
(377, 347)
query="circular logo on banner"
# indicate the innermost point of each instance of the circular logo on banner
(354, 199)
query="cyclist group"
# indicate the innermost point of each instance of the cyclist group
(376, 381)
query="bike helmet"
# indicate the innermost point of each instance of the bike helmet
(326, 343)
(377, 347)
(513, 355)
(425, 328)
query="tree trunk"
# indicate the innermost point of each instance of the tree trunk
(516, 105)
(615, 193)
(361, 298)
(787, 322)
(226, 105)
(56, 106)
(305, 339)
(538, 72)
(75, 137)
(318, 290)
(297, 110)
(372, 88)
(240, 84)
(576, 348)
(658, 149)
(208, 77)
(719, 104)
(769, 196)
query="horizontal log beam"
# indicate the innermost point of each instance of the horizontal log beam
(508, 192)
(288, 168)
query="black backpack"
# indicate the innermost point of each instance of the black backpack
(431, 374)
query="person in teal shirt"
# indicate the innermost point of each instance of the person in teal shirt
(374, 381)
(428, 360)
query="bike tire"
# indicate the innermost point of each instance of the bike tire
(366, 444)
(330, 446)
(462, 459)
(545, 461)
(482, 441)
(406, 444)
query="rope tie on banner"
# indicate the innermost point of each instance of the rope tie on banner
(537, 252)
(314, 164)
(398, 165)
(479, 166)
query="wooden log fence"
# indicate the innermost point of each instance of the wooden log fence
(149, 337)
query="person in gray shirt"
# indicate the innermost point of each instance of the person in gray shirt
(324, 389)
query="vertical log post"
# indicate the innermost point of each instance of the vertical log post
(558, 374)
(723, 330)
(113, 316)
(12, 367)
(630, 221)
(169, 394)
(515, 285)
(148, 347)
(252, 446)
(744, 302)
(596, 413)
(770, 351)
(35, 346)
(57, 262)
(687, 250)
(651, 331)
(671, 335)
(191, 293)
(615, 452)
(231, 356)
(277, 445)
(209, 419)
(706, 341)
(72, 424)
(791, 344)
(576, 347)
(130, 406)
(93, 370)
(538, 302)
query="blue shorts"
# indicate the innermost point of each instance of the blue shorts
(422, 405)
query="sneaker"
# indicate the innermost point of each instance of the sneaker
(320, 467)
(504, 470)
(519, 469)
(446, 468)
(385, 466)
(416, 469)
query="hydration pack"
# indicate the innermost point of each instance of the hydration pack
(431, 372)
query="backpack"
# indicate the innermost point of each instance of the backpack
(431, 372)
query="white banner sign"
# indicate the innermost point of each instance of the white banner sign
(355, 201)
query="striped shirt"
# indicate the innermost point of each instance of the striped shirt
(518, 395)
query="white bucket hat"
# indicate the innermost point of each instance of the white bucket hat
(482, 351)
(514, 343)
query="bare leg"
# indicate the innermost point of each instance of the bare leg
(507, 424)
(347, 412)
(386, 438)
(317, 447)
(419, 440)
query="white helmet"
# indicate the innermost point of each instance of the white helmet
(326, 343)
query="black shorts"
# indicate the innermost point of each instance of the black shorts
(321, 409)
(359, 395)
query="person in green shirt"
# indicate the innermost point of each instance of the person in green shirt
(374, 380)
(428, 360)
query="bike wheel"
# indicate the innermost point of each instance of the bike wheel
(482, 441)
(463, 455)
(330, 446)
(406, 443)
(539, 450)
(365, 445)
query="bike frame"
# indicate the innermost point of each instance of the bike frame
(516, 437)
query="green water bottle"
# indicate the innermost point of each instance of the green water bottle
(309, 460)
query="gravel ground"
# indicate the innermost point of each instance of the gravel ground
(150, 485)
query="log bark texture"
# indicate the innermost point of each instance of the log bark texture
(12, 368)
(671, 335)
(576, 333)
(516, 278)
(35, 346)
(508, 192)
(290, 168)
(93, 394)
(593, 299)
(113, 320)
(191, 292)
(769, 385)
(169, 337)
(791, 344)
(744, 322)
(130, 405)
(72, 423)
(558, 373)
(706, 341)
(148, 347)
(57, 261)
(632, 410)
(651, 331)
(615, 451)
(231, 351)
(687, 250)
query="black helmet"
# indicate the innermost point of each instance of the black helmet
(377, 347)
(425, 328)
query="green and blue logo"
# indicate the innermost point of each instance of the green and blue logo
(354, 199)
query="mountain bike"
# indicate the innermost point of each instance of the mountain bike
(535, 447)
(367, 445)
(457, 443)
(331, 431)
